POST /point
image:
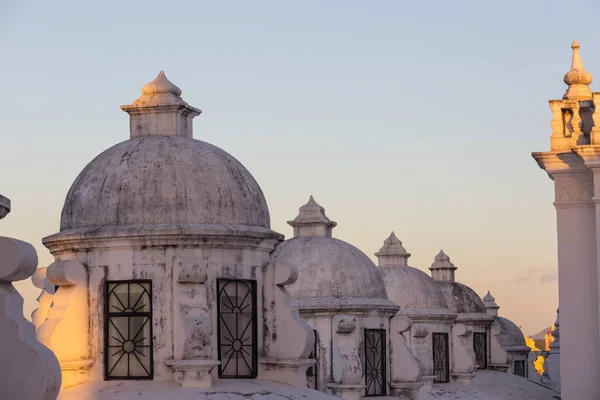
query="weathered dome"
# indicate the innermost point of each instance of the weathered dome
(461, 298)
(164, 180)
(406, 286)
(510, 336)
(329, 267)
(411, 288)
(162, 176)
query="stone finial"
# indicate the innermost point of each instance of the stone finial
(160, 111)
(29, 370)
(442, 269)
(4, 206)
(490, 304)
(312, 221)
(161, 85)
(392, 252)
(577, 78)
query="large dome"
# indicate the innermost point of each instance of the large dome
(170, 180)
(329, 267)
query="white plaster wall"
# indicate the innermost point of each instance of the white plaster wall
(123, 262)
(422, 347)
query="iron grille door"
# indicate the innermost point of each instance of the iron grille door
(375, 375)
(237, 329)
(519, 368)
(441, 364)
(312, 373)
(480, 348)
(128, 330)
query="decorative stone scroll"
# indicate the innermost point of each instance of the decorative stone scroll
(405, 369)
(463, 367)
(499, 358)
(193, 330)
(66, 330)
(347, 369)
(288, 340)
(39, 280)
(28, 369)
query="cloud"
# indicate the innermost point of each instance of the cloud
(551, 277)
(525, 278)
(545, 275)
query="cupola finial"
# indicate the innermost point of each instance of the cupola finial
(160, 111)
(490, 304)
(312, 221)
(577, 78)
(442, 269)
(392, 253)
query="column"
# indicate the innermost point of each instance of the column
(578, 273)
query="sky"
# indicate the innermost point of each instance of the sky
(416, 117)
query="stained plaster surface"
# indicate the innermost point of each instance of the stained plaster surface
(233, 389)
(488, 385)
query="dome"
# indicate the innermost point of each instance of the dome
(162, 176)
(461, 298)
(510, 334)
(164, 180)
(409, 287)
(406, 286)
(329, 267)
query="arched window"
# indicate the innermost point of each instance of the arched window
(128, 330)
(237, 329)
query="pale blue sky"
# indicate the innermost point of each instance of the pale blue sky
(417, 117)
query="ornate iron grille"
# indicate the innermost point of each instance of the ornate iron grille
(519, 368)
(312, 373)
(237, 329)
(480, 348)
(441, 369)
(128, 330)
(375, 375)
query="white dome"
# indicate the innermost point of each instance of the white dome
(510, 336)
(164, 180)
(411, 288)
(461, 298)
(331, 272)
(329, 267)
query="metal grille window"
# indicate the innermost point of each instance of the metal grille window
(480, 348)
(312, 373)
(519, 368)
(375, 375)
(237, 329)
(441, 369)
(128, 330)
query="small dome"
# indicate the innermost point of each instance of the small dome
(510, 335)
(172, 180)
(411, 288)
(461, 298)
(406, 286)
(329, 267)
